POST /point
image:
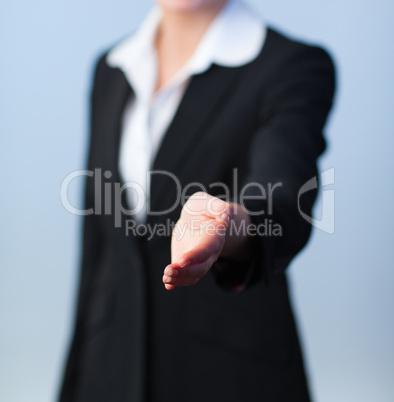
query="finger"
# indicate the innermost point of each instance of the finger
(191, 271)
(173, 265)
(179, 281)
(224, 220)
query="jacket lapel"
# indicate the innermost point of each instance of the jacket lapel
(201, 102)
(116, 96)
(118, 93)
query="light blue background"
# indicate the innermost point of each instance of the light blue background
(342, 284)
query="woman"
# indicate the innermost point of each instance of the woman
(228, 117)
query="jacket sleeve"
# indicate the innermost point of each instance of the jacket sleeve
(91, 245)
(282, 157)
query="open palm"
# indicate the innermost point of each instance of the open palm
(197, 240)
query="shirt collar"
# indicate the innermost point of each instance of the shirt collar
(233, 39)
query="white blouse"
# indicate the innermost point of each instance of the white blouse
(233, 39)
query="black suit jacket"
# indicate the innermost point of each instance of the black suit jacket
(135, 341)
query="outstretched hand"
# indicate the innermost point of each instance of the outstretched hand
(197, 240)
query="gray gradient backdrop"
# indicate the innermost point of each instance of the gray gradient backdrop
(342, 284)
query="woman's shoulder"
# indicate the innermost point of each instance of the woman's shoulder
(287, 71)
(282, 50)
